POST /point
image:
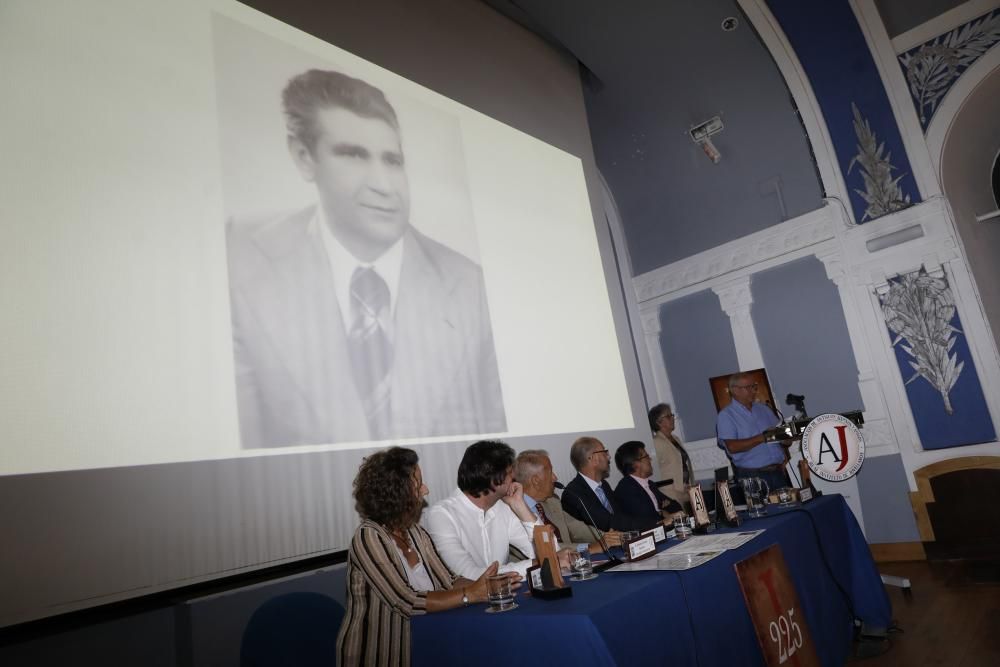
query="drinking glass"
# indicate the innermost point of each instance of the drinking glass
(682, 529)
(500, 594)
(583, 565)
(755, 489)
(628, 535)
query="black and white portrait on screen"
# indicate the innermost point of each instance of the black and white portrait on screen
(349, 323)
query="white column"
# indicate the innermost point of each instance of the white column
(736, 300)
(660, 392)
(879, 432)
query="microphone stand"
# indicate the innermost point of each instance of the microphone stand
(788, 460)
(612, 561)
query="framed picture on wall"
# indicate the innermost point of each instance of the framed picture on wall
(720, 388)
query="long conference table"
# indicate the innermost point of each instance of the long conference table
(692, 617)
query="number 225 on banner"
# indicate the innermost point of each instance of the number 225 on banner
(774, 608)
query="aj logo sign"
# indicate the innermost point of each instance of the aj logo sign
(833, 447)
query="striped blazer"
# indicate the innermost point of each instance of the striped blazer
(376, 628)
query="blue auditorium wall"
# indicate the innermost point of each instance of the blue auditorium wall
(697, 343)
(854, 103)
(803, 336)
(942, 385)
(885, 496)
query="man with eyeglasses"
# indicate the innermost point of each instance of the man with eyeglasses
(635, 493)
(589, 497)
(740, 427)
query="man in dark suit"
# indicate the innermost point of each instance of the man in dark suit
(349, 325)
(589, 497)
(635, 494)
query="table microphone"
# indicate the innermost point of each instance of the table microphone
(612, 561)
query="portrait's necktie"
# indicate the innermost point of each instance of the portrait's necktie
(370, 345)
(545, 519)
(604, 499)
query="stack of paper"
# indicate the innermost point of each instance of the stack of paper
(690, 553)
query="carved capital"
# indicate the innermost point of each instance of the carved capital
(735, 297)
(650, 321)
(836, 268)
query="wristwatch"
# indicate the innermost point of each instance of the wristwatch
(465, 598)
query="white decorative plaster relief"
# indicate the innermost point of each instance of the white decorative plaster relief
(743, 256)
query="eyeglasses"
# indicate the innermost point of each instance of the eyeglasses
(746, 386)
(643, 457)
(601, 451)
(669, 415)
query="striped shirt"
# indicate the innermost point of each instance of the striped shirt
(376, 628)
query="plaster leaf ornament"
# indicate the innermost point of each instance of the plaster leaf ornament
(933, 68)
(918, 309)
(882, 193)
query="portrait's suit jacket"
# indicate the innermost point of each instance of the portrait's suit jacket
(578, 494)
(293, 374)
(632, 499)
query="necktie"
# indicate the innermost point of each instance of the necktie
(370, 347)
(545, 519)
(603, 498)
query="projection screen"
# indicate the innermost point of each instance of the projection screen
(179, 400)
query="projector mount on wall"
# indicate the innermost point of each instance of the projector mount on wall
(702, 133)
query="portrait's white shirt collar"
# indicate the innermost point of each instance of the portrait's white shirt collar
(342, 263)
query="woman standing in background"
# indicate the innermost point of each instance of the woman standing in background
(671, 456)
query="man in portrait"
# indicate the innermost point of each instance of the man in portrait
(348, 323)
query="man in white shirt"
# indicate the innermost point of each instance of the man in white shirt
(478, 523)
(349, 325)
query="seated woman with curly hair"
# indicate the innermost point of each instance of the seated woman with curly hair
(393, 569)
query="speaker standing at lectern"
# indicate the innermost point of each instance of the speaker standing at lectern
(740, 427)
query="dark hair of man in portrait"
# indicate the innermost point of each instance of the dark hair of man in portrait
(627, 455)
(385, 489)
(316, 89)
(484, 467)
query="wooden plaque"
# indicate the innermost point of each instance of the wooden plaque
(545, 550)
(804, 474)
(774, 607)
(698, 508)
(808, 491)
(728, 507)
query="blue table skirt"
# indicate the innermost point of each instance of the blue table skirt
(696, 617)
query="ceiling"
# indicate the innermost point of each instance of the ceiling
(653, 69)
